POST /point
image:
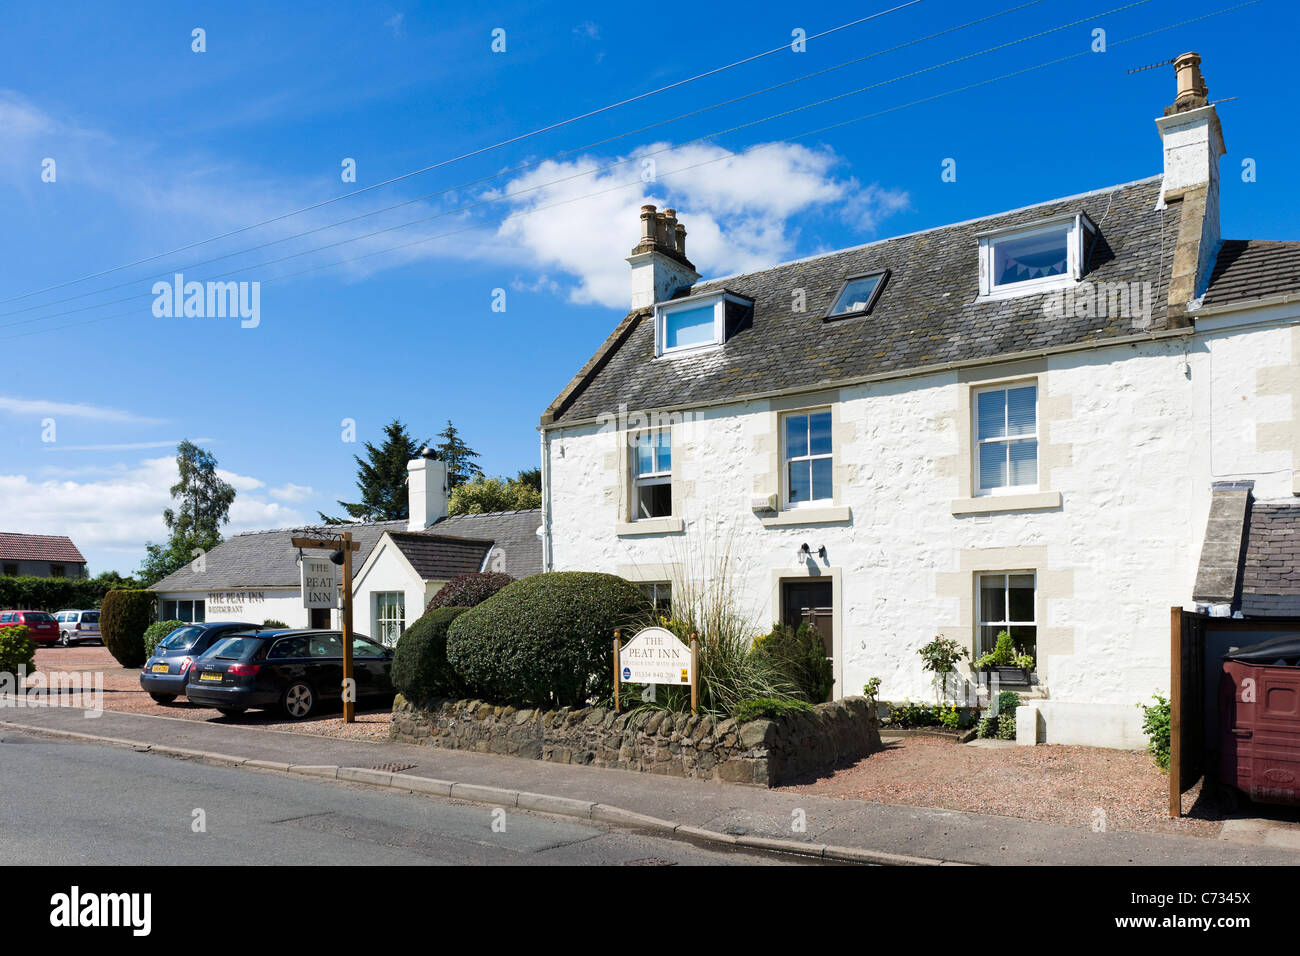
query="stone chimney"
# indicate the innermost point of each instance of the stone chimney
(1193, 143)
(426, 486)
(659, 264)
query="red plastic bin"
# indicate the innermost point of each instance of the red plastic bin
(1259, 720)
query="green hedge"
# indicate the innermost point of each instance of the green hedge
(420, 668)
(16, 650)
(155, 632)
(469, 590)
(545, 640)
(31, 593)
(122, 622)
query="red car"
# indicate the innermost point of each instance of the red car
(41, 626)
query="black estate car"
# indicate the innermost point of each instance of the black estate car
(165, 672)
(294, 670)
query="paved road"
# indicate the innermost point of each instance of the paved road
(68, 803)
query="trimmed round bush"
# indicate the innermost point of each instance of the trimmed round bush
(271, 624)
(420, 668)
(545, 640)
(122, 622)
(155, 632)
(16, 650)
(469, 590)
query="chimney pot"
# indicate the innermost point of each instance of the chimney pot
(1192, 92)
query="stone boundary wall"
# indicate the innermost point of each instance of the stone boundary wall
(764, 753)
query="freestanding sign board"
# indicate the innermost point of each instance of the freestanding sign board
(655, 656)
(320, 583)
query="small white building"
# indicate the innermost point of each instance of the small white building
(255, 577)
(1012, 423)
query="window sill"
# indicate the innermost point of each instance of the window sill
(800, 516)
(649, 526)
(990, 504)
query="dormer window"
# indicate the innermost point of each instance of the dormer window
(698, 322)
(1036, 257)
(858, 295)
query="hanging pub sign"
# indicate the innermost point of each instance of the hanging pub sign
(320, 583)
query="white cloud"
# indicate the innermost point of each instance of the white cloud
(738, 210)
(42, 408)
(292, 492)
(119, 512)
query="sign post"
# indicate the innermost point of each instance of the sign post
(617, 641)
(318, 592)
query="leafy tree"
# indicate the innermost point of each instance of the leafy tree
(382, 479)
(204, 506)
(459, 457)
(483, 495)
(532, 477)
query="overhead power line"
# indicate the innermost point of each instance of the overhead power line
(728, 155)
(522, 166)
(472, 153)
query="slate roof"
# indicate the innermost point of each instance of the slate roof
(1246, 269)
(513, 535)
(1270, 582)
(39, 547)
(267, 559)
(927, 314)
(440, 557)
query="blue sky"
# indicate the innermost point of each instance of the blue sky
(157, 147)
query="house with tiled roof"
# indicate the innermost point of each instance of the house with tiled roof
(1014, 423)
(399, 565)
(40, 555)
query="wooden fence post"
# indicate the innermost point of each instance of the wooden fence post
(617, 635)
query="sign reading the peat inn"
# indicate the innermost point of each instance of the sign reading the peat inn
(320, 584)
(655, 656)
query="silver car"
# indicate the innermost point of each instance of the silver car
(78, 626)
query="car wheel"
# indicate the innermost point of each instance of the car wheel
(298, 700)
(163, 698)
(231, 711)
(64, 641)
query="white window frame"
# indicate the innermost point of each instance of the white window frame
(1077, 224)
(1006, 623)
(719, 302)
(786, 503)
(655, 477)
(977, 443)
(654, 590)
(383, 625)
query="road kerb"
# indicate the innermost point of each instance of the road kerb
(498, 796)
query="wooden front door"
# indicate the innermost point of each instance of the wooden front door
(811, 601)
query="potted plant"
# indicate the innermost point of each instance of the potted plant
(1006, 661)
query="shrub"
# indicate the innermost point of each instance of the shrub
(17, 650)
(122, 623)
(1000, 721)
(801, 656)
(155, 632)
(1155, 724)
(546, 639)
(55, 594)
(469, 590)
(756, 707)
(272, 624)
(420, 668)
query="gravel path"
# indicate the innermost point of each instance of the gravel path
(122, 693)
(1053, 784)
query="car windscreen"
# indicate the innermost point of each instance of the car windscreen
(38, 617)
(181, 639)
(90, 617)
(235, 648)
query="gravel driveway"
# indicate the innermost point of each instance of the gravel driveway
(1053, 784)
(122, 693)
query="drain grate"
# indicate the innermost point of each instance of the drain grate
(393, 767)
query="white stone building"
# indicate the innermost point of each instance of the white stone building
(255, 577)
(1012, 422)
